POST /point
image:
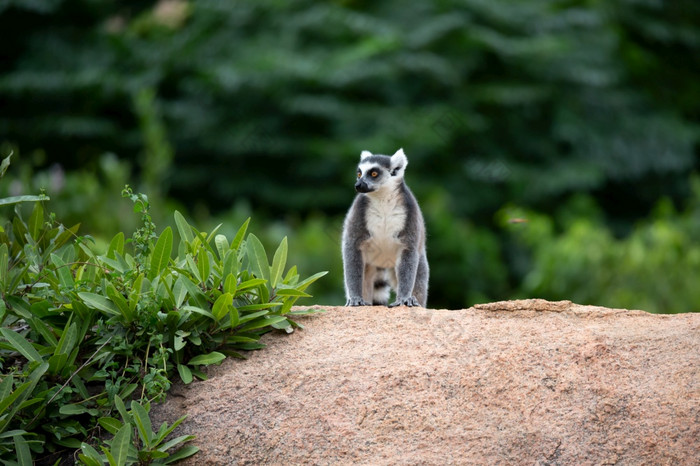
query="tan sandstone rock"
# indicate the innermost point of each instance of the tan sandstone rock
(518, 382)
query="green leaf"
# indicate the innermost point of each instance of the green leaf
(183, 228)
(195, 293)
(66, 235)
(256, 307)
(161, 253)
(121, 407)
(182, 453)
(179, 292)
(252, 283)
(120, 445)
(221, 306)
(207, 359)
(6, 401)
(31, 402)
(292, 292)
(70, 442)
(116, 246)
(204, 239)
(57, 362)
(257, 258)
(305, 312)
(136, 291)
(20, 306)
(67, 341)
(222, 246)
(99, 302)
(291, 275)
(234, 317)
(305, 283)
(199, 374)
(250, 346)
(252, 316)
(41, 308)
(36, 221)
(72, 409)
(198, 310)
(178, 340)
(90, 456)
(110, 457)
(21, 345)
(230, 284)
(119, 265)
(20, 394)
(24, 456)
(203, 264)
(5, 164)
(230, 265)
(12, 433)
(164, 431)
(177, 440)
(120, 302)
(185, 373)
(238, 239)
(192, 267)
(283, 325)
(127, 390)
(143, 423)
(65, 277)
(6, 387)
(19, 228)
(262, 322)
(278, 263)
(41, 328)
(110, 424)
(17, 199)
(4, 264)
(80, 387)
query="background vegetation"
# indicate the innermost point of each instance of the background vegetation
(553, 145)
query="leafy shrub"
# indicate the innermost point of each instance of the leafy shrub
(88, 196)
(82, 331)
(576, 257)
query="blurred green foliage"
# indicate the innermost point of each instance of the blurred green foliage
(228, 108)
(655, 268)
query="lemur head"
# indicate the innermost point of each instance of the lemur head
(376, 172)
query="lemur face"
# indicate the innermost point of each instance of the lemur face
(377, 171)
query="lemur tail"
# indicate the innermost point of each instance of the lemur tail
(382, 288)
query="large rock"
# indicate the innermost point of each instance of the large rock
(519, 382)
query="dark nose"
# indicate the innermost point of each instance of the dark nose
(361, 186)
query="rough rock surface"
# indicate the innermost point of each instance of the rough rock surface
(518, 382)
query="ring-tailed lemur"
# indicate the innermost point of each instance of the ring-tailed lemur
(384, 237)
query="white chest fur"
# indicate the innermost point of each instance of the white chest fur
(386, 217)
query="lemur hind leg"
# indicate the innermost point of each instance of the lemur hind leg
(420, 290)
(406, 271)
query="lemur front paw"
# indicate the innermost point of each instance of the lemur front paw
(410, 302)
(357, 302)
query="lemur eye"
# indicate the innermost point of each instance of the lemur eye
(374, 174)
(359, 173)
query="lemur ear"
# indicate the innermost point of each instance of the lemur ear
(365, 154)
(398, 162)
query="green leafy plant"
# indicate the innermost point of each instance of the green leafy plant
(577, 257)
(4, 165)
(83, 330)
(148, 447)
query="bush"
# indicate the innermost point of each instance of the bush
(576, 257)
(82, 331)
